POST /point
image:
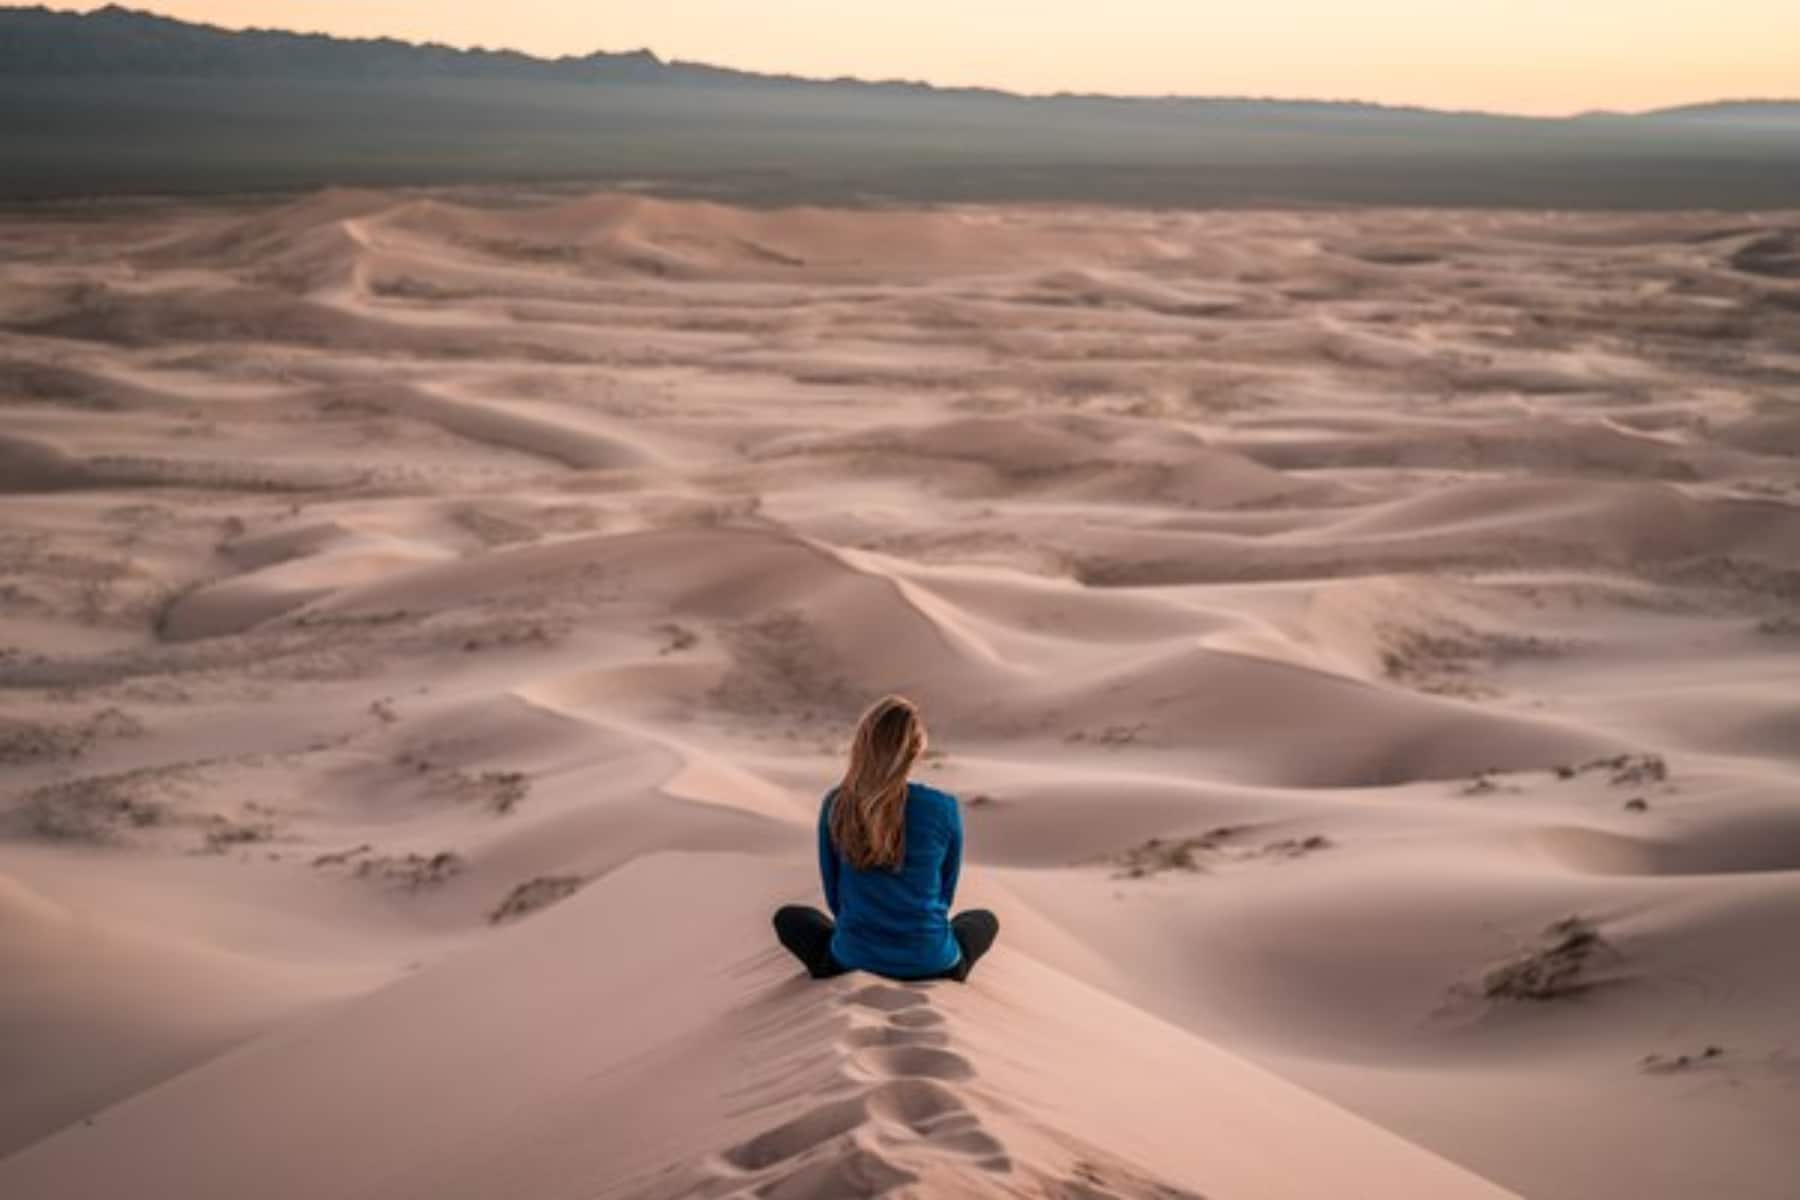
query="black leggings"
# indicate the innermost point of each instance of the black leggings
(806, 932)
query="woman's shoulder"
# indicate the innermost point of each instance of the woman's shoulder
(924, 792)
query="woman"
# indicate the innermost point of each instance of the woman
(889, 854)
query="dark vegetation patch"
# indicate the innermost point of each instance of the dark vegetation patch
(1484, 783)
(414, 871)
(411, 871)
(224, 834)
(518, 635)
(1157, 855)
(1297, 847)
(1622, 770)
(535, 894)
(504, 788)
(97, 809)
(362, 617)
(1447, 661)
(1633, 769)
(1113, 737)
(32, 741)
(1659, 1064)
(500, 790)
(1559, 966)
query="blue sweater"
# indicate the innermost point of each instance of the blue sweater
(897, 922)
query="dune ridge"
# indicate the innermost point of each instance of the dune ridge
(858, 1087)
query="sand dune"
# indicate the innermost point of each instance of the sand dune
(1366, 645)
(757, 1082)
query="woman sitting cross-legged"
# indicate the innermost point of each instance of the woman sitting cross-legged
(889, 854)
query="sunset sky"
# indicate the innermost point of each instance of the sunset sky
(1526, 56)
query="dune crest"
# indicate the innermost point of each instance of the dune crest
(779, 1087)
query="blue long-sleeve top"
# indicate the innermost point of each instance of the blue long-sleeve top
(896, 922)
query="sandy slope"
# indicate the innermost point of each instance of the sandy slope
(662, 1050)
(1316, 612)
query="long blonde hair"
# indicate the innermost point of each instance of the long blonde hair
(868, 810)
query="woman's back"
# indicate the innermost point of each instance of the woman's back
(895, 921)
(890, 851)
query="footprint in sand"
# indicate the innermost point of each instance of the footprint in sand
(916, 1018)
(887, 998)
(891, 1049)
(856, 1172)
(1092, 1180)
(794, 1138)
(890, 1034)
(905, 1054)
(913, 1062)
(917, 1104)
(867, 1143)
(936, 1114)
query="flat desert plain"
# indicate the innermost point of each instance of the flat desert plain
(1366, 645)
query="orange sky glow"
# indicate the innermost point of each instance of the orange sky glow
(1522, 56)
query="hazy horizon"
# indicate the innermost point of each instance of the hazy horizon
(1533, 57)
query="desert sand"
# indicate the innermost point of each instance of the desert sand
(1366, 645)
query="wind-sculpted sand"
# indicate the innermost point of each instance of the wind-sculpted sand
(1367, 646)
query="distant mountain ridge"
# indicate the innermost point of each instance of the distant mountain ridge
(44, 41)
(40, 41)
(121, 101)
(1788, 110)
